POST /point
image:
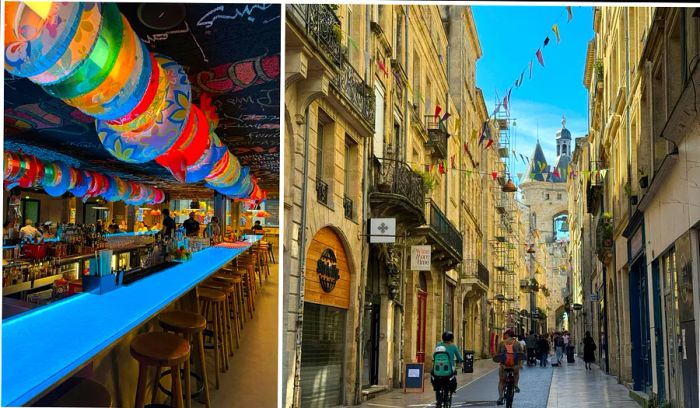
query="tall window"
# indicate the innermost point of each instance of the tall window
(448, 323)
(319, 149)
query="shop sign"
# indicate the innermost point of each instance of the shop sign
(593, 297)
(382, 230)
(420, 257)
(636, 243)
(327, 270)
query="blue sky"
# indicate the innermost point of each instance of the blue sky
(510, 36)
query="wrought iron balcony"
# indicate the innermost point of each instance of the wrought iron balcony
(437, 136)
(323, 26)
(347, 207)
(322, 191)
(397, 192)
(443, 232)
(475, 272)
(358, 93)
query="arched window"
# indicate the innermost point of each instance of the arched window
(560, 226)
(423, 282)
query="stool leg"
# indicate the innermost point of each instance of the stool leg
(188, 381)
(220, 347)
(141, 387)
(215, 337)
(224, 334)
(227, 319)
(154, 396)
(235, 318)
(177, 387)
(203, 368)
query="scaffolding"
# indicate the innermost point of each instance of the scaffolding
(505, 243)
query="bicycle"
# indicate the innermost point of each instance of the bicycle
(443, 394)
(509, 390)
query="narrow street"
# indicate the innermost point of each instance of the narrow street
(570, 385)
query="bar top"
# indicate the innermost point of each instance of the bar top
(42, 346)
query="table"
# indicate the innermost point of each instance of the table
(42, 347)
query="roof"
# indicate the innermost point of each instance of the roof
(538, 164)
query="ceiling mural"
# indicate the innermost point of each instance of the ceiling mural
(230, 52)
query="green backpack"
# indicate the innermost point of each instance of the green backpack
(442, 364)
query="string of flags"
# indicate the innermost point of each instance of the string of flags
(540, 59)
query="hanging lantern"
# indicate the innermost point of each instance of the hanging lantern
(509, 187)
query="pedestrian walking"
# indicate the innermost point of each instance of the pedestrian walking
(531, 343)
(543, 349)
(589, 348)
(559, 347)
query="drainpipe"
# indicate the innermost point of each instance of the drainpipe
(404, 131)
(302, 260)
(363, 269)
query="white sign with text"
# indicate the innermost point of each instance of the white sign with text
(420, 257)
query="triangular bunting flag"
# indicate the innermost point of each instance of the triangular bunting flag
(494, 175)
(539, 57)
(489, 143)
(466, 148)
(520, 81)
(441, 168)
(530, 69)
(546, 41)
(445, 116)
(604, 172)
(469, 173)
(555, 28)
(542, 166)
(571, 14)
(458, 124)
(556, 172)
(545, 176)
(438, 109)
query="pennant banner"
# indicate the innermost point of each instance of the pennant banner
(555, 28)
(539, 57)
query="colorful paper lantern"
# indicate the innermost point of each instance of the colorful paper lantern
(77, 49)
(189, 147)
(201, 169)
(133, 147)
(37, 44)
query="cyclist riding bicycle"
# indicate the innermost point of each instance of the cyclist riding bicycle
(510, 356)
(445, 353)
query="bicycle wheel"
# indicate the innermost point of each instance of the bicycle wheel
(509, 396)
(448, 399)
(438, 397)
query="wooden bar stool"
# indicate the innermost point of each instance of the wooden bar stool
(231, 276)
(262, 256)
(160, 349)
(191, 326)
(248, 289)
(230, 330)
(77, 392)
(212, 302)
(270, 251)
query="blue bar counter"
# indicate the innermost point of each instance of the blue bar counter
(42, 347)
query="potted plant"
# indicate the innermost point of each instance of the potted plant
(598, 66)
(429, 180)
(534, 285)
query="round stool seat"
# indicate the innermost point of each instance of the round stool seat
(211, 295)
(182, 321)
(160, 349)
(226, 277)
(222, 286)
(77, 392)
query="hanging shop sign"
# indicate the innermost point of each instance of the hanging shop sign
(420, 257)
(327, 270)
(382, 230)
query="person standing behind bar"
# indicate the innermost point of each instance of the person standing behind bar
(191, 226)
(168, 223)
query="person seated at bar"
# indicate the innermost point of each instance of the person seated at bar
(140, 226)
(113, 227)
(191, 226)
(168, 223)
(29, 232)
(47, 229)
(258, 228)
(122, 226)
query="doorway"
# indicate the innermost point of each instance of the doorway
(639, 322)
(370, 322)
(422, 316)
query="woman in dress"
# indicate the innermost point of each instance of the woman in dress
(588, 350)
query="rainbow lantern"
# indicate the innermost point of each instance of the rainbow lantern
(88, 55)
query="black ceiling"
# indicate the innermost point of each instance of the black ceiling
(230, 51)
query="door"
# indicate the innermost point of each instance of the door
(30, 211)
(370, 349)
(322, 354)
(639, 307)
(686, 315)
(658, 332)
(670, 290)
(420, 336)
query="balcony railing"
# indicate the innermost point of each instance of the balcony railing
(347, 207)
(322, 191)
(354, 88)
(437, 136)
(323, 26)
(396, 177)
(474, 269)
(444, 229)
